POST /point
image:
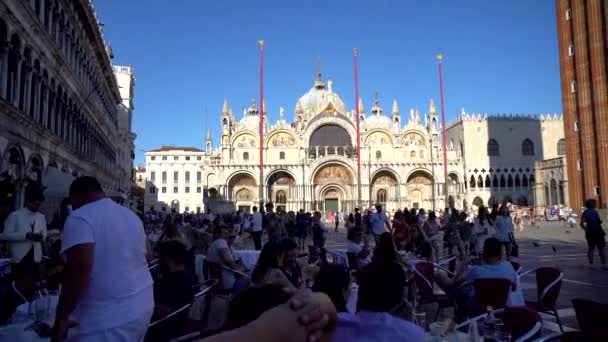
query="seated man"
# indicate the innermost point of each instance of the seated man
(381, 289)
(493, 267)
(355, 237)
(174, 288)
(292, 270)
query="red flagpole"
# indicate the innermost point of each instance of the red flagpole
(355, 51)
(261, 115)
(443, 133)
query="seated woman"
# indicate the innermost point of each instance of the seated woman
(355, 237)
(268, 268)
(418, 244)
(335, 281)
(221, 253)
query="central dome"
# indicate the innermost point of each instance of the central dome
(318, 99)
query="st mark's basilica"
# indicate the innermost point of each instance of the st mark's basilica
(310, 162)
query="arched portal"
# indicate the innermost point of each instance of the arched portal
(278, 187)
(420, 190)
(385, 189)
(242, 188)
(333, 188)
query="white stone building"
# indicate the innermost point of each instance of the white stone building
(311, 162)
(58, 100)
(125, 136)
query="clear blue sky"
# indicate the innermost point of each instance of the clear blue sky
(500, 57)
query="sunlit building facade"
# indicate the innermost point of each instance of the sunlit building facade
(310, 162)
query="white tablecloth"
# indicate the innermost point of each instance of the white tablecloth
(16, 332)
(248, 257)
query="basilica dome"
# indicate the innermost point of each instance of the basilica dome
(250, 120)
(318, 99)
(377, 119)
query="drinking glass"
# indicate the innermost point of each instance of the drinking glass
(420, 319)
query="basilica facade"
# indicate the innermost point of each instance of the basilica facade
(311, 162)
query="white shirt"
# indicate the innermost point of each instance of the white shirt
(120, 288)
(256, 222)
(214, 255)
(379, 222)
(17, 225)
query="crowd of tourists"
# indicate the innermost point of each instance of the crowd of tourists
(114, 272)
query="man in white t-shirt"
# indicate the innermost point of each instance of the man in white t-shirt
(107, 288)
(256, 228)
(379, 222)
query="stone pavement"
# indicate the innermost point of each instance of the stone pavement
(547, 244)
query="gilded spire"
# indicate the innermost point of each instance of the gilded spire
(225, 106)
(208, 134)
(432, 106)
(361, 107)
(395, 107)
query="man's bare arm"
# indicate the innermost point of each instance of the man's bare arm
(77, 275)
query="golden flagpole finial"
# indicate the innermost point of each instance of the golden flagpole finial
(440, 57)
(355, 50)
(261, 42)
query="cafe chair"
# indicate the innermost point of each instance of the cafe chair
(168, 327)
(492, 292)
(423, 278)
(548, 285)
(521, 322)
(592, 318)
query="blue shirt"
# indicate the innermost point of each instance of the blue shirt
(502, 270)
(377, 327)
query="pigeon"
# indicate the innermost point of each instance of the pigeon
(535, 244)
(554, 249)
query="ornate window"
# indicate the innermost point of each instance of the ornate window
(472, 182)
(381, 195)
(527, 147)
(487, 183)
(413, 154)
(561, 147)
(493, 148)
(378, 155)
(282, 155)
(245, 155)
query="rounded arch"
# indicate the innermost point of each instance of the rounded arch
(326, 120)
(333, 172)
(478, 202)
(232, 177)
(35, 168)
(330, 135)
(245, 140)
(413, 137)
(491, 201)
(280, 138)
(420, 171)
(382, 170)
(13, 161)
(278, 173)
(379, 137)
